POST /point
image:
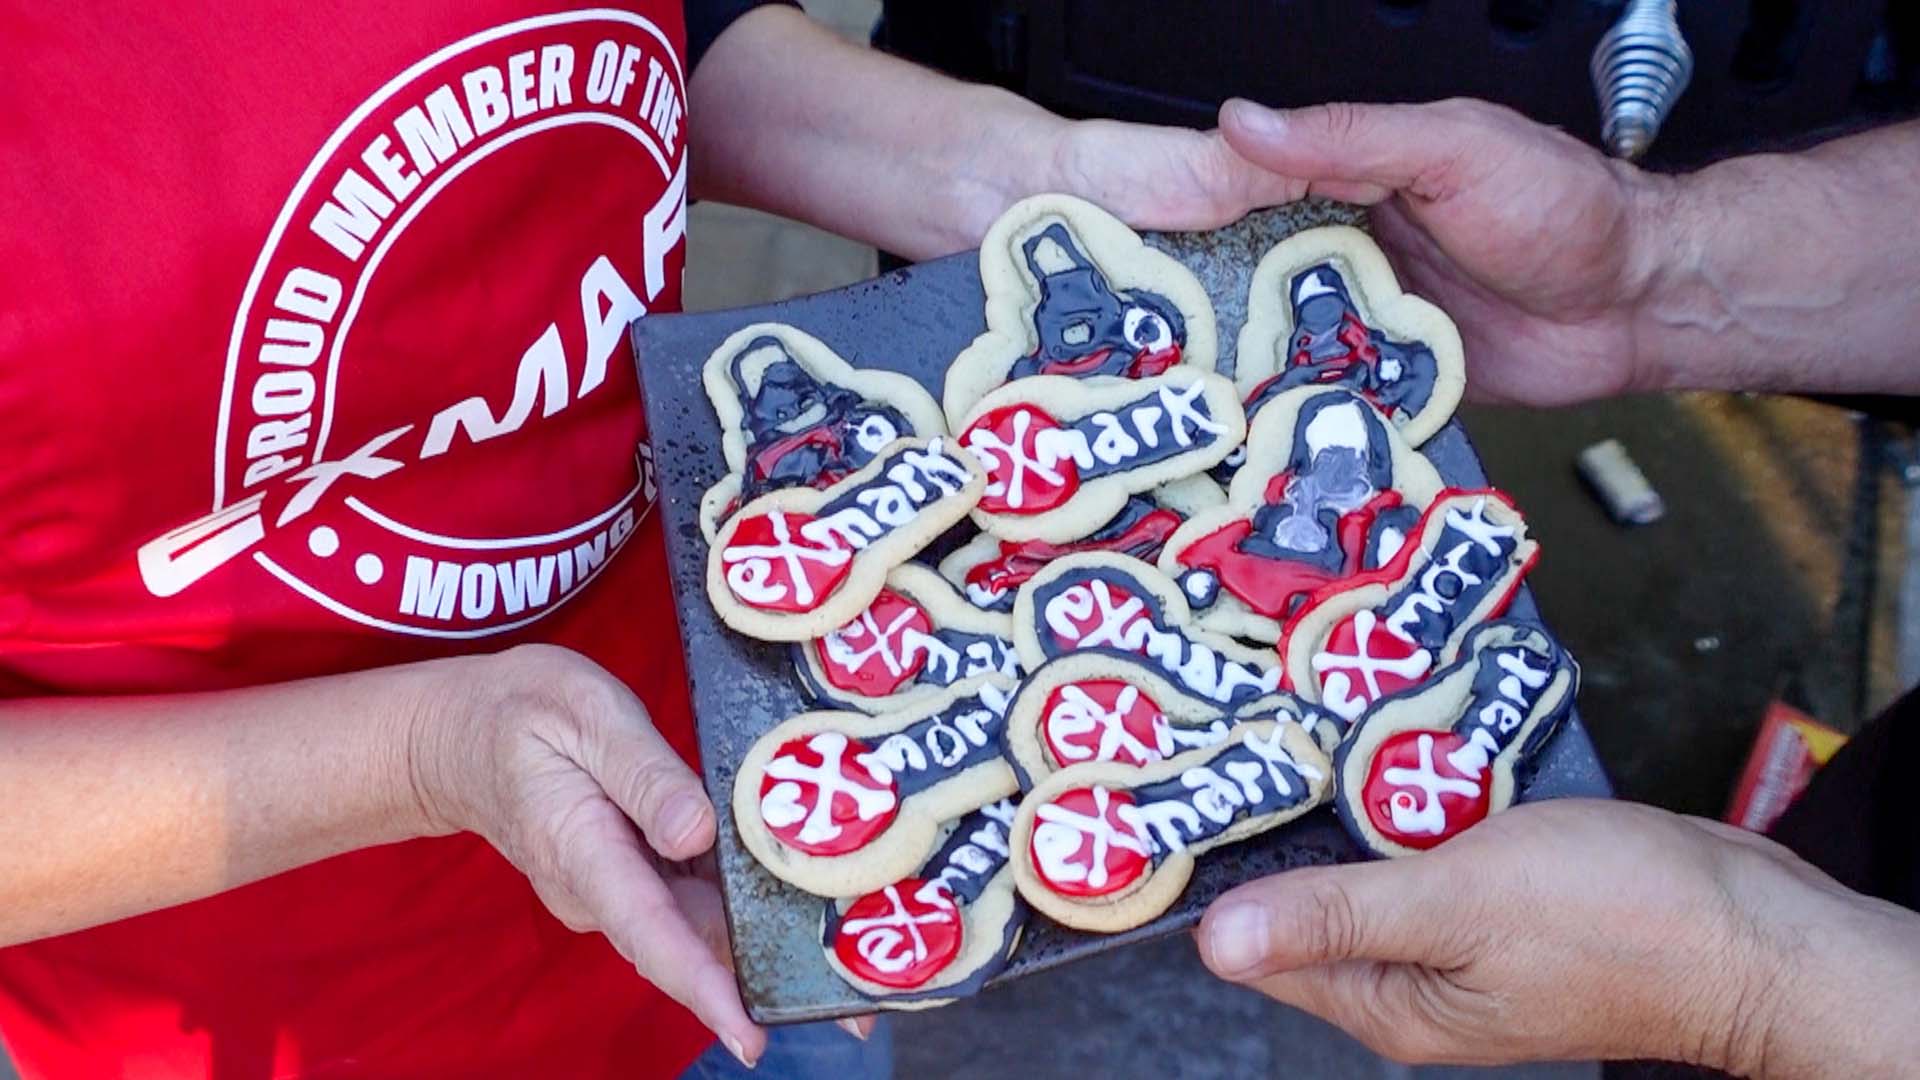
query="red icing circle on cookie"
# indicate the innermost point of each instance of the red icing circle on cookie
(1409, 790)
(1074, 734)
(860, 805)
(877, 638)
(1382, 645)
(901, 936)
(1105, 861)
(1020, 480)
(772, 545)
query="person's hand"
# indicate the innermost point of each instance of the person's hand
(1565, 930)
(1538, 246)
(1155, 177)
(556, 763)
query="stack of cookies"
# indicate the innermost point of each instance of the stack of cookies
(1192, 607)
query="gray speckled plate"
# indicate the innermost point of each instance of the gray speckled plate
(915, 321)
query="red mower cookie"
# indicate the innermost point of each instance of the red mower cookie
(794, 414)
(1329, 490)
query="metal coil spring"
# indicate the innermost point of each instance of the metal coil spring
(1640, 68)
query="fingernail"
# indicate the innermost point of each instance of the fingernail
(680, 819)
(1257, 118)
(739, 1053)
(1237, 939)
(851, 1027)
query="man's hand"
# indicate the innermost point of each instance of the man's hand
(557, 764)
(1537, 245)
(1570, 930)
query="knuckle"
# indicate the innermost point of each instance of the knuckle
(1340, 120)
(651, 780)
(1333, 923)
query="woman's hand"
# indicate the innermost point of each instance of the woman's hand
(1574, 929)
(557, 764)
(1539, 247)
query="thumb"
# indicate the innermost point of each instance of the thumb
(1361, 153)
(643, 775)
(1386, 911)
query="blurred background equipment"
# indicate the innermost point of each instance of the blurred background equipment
(1640, 69)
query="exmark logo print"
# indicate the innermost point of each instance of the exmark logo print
(300, 505)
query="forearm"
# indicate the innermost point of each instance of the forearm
(1844, 996)
(1795, 272)
(790, 118)
(112, 807)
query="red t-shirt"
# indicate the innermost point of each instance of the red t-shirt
(312, 359)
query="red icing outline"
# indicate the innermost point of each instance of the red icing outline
(1020, 561)
(1268, 586)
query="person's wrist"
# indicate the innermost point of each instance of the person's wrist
(450, 733)
(1662, 247)
(1010, 149)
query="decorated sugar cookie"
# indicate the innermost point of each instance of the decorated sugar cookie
(989, 570)
(793, 413)
(1107, 847)
(917, 638)
(843, 803)
(1099, 706)
(1100, 601)
(1352, 645)
(1424, 764)
(1062, 456)
(1329, 490)
(941, 933)
(1326, 309)
(799, 563)
(1071, 291)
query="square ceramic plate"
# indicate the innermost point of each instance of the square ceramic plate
(915, 321)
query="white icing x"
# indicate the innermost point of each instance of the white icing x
(1077, 714)
(1337, 669)
(754, 571)
(784, 804)
(1423, 813)
(1058, 836)
(892, 941)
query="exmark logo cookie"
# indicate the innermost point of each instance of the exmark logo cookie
(428, 422)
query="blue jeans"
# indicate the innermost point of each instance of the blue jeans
(805, 1052)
